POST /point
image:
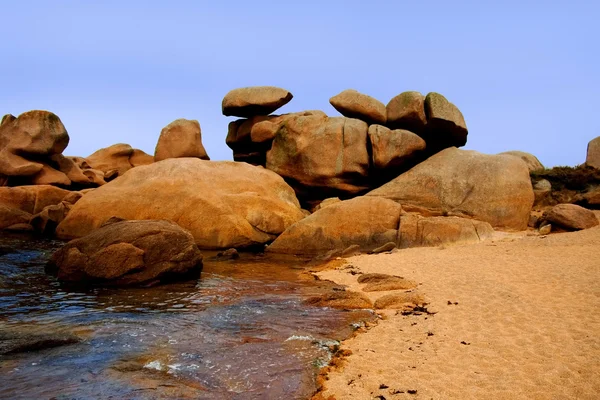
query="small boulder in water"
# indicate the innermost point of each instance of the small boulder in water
(129, 253)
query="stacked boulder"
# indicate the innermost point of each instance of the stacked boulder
(321, 156)
(31, 147)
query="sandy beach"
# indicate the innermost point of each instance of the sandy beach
(513, 318)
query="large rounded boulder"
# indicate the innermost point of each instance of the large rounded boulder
(492, 188)
(223, 204)
(128, 253)
(321, 156)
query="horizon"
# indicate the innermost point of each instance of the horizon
(523, 75)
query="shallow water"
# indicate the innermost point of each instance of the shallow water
(242, 331)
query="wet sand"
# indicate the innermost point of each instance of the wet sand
(514, 318)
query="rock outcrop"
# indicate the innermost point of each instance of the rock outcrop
(353, 104)
(128, 253)
(19, 205)
(117, 159)
(532, 161)
(223, 204)
(31, 149)
(26, 145)
(257, 100)
(571, 217)
(321, 156)
(491, 188)
(418, 231)
(593, 153)
(181, 138)
(363, 221)
(368, 223)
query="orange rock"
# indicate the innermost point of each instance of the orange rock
(128, 253)
(223, 204)
(257, 100)
(28, 140)
(117, 159)
(407, 111)
(365, 221)
(394, 148)
(418, 231)
(353, 104)
(181, 138)
(491, 188)
(19, 204)
(321, 156)
(571, 217)
(532, 161)
(446, 125)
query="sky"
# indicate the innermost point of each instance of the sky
(525, 74)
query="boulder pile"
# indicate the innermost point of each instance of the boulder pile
(322, 156)
(376, 178)
(31, 147)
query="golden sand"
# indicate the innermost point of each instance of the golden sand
(515, 318)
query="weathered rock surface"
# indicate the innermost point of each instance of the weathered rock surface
(532, 161)
(27, 144)
(128, 253)
(256, 100)
(393, 149)
(593, 153)
(353, 104)
(321, 156)
(117, 159)
(18, 205)
(446, 125)
(418, 231)
(223, 204)
(407, 111)
(251, 138)
(181, 138)
(367, 222)
(571, 217)
(491, 188)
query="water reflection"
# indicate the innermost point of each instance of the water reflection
(241, 332)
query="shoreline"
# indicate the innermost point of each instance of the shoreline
(516, 317)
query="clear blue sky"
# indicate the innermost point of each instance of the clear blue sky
(526, 74)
